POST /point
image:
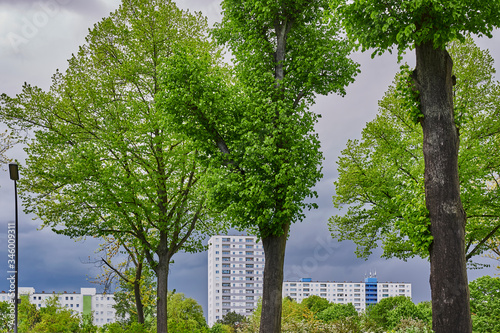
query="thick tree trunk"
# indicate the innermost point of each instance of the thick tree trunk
(274, 251)
(137, 294)
(448, 280)
(162, 286)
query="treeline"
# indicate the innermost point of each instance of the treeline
(314, 314)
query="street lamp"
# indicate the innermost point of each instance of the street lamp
(14, 175)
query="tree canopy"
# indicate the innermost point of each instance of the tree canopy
(381, 176)
(381, 25)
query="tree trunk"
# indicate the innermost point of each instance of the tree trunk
(274, 251)
(137, 294)
(448, 280)
(162, 286)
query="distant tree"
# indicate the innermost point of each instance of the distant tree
(185, 315)
(379, 312)
(132, 275)
(410, 325)
(294, 312)
(221, 328)
(316, 303)
(28, 315)
(485, 304)
(51, 318)
(390, 311)
(428, 26)
(232, 319)
(104, 160)
(127, 294)
(87, 323)
(257, 126)
(337, 312)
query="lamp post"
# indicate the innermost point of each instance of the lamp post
(14, 175)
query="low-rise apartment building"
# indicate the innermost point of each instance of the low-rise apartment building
(86, 302)
(360, 294)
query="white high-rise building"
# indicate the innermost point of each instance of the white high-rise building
(235, 275)
(360, 294)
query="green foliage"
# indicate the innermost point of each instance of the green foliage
(6, 142)
(131, 327)
(315, 303)
(412, 326)
(125, 303)
(185, 314)
(103, 160)
(87, 323)
(5, 318)
(408, 95)
(381, 25)
(337, 311)
(390, 313)
(221, 328)
(232, 319)
(255, 122)
(485, 304)
(52, 318)
(293, 312)
(381, 176)
(28, 315)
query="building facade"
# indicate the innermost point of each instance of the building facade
(235, 281)
(86, 302)
(360, 294)
(235, 275)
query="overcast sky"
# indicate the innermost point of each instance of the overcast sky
(37, 37)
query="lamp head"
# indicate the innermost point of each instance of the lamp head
(14, 171)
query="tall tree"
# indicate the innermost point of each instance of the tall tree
(381, 177)
(103, 160)
(284, 53)
(428, 26)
